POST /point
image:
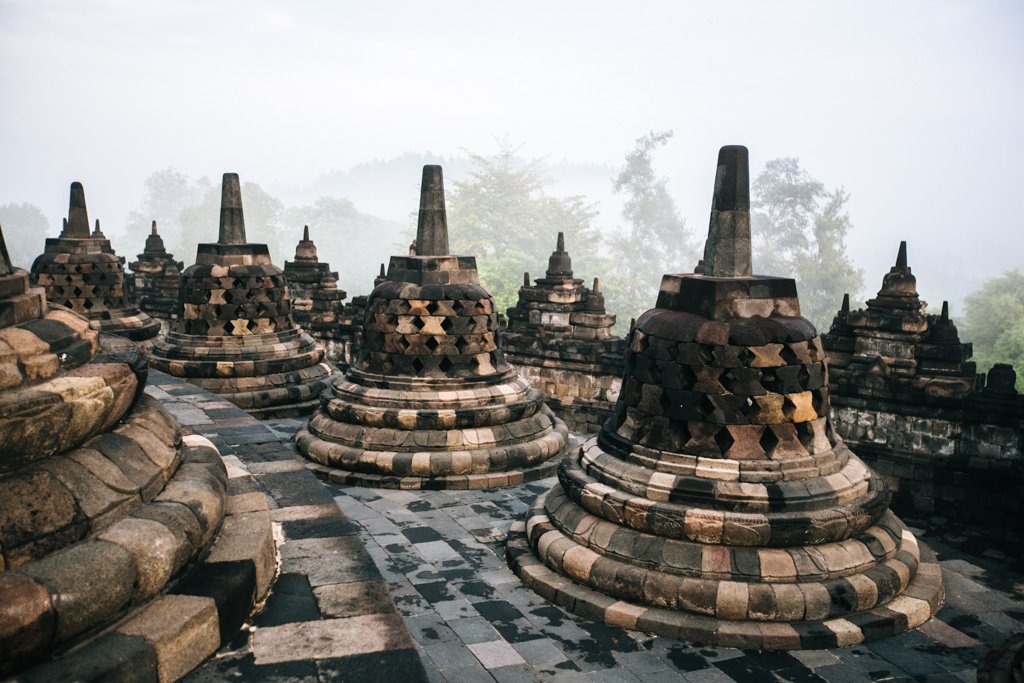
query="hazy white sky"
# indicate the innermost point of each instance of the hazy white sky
(915, 107)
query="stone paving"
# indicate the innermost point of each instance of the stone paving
(441, 556)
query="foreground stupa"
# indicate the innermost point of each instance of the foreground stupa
(115, 529)
(235, 335)
(157, 279)
(80, 270)
(718, 505)
(431, 402)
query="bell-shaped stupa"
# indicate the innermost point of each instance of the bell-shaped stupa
(431, 402)
(317, 303)
(80, 270)
(235, 335)
(113, 523)
(718, 505)
(157, 279)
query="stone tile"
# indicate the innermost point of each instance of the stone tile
(496, 653)
(330, 638)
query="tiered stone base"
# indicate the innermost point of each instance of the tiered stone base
(831, 595)
(187, 618)
(108, 527)
(268, 375)
(140, 328)
(426, 433)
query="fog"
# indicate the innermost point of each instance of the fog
(914, 107)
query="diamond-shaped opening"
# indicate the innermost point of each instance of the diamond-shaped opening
(481, 307)
(447, 324)
(769, 441)
(432, 307)
(687, 377)
(819, 402)
(77, 291)
(88, 304)
(445, 364)
(769, 380)
(227, 296)
(724, 440)
(418, 322)
(787, 408)
(78, 268)
(704, 406)
(806, 435)
(727, 379)
(252, 325)
(417, 365)
(706, 353)
(229, 327)
(87, 278)
(787, 355)
(746, 356)
(461, 344)
(432, 343)
(403, 343)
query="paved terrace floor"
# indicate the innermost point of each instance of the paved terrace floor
(347, 553)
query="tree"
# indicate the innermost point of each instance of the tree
(353, 242)
(169, 192)
(25, 231)
(799, 230)
(994, 323)
(503, 216)
(655, 240)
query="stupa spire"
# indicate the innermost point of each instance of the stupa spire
(6, 267)
(432, 228)
(232, 223)
(78, 216)
(152, 230)
(727, 250)
(901, 256)
(305, 233)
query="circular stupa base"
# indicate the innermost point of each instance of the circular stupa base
(480, 468)
(822, 615)
(488, 480)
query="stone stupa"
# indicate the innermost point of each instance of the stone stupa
(235, 335)
(80, 270)
(157, 279)
(559, 337)
(317, 303)
(114, 526)
(431, 402)
(718, 505)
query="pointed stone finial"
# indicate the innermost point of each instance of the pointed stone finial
(152, 230)
(6, 267)
(383, 273)
(305, 233)
(727, 250)
(597, 285)
(560, 244)
(232, 223)
(526, 279)
(432, 228)
(901, 257)
(97, 232)
(846, 303)
(77, 224)
(945, 310)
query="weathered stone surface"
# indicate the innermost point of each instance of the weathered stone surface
(235, 335)
(906, 396)
(431, 402)
(157, 278)
(559, 337)
(81, 271)
(181, 628)
(717, 504)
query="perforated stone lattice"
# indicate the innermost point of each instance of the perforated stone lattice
(92, 289)
(247, 300)
(425, 338)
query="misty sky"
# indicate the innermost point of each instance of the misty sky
(915, 107)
